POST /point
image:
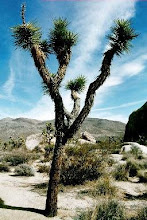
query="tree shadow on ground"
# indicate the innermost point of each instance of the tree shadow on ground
(39, 211)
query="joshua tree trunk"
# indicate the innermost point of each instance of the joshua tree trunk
(51, 201)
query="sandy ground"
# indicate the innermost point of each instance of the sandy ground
(16, 192)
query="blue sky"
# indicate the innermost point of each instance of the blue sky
(21, 94)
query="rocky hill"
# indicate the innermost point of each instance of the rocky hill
(136, 128)
(24, 127)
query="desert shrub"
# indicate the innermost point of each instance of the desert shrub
(80, 164)
(110, 210)
(1, 202)
(43, 169)
(120, 173)
(133, 167)
(37, 149)
(4, 168)
(134, 153)
(142, 215)
(84, 216)
(142, 176)
(48, 152)
(24, 170)
(104, 187)
(16, 159)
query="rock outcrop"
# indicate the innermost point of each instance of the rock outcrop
(136, 128)
(88, 137)
(128, 146)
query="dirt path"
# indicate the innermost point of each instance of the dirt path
(16, 191)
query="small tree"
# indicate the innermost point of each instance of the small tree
(60, 42)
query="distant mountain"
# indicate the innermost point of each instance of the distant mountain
(23, 127)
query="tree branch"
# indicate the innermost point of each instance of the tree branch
(62, 69)
(105, 72)
(76, 108)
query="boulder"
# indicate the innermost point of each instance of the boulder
(33, 141)
(136, 128)
(82, 141)
(128, 146)
(88, 137)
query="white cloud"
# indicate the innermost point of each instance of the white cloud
(92, 21)
(9, 86)
(43, 110)
(125, 105)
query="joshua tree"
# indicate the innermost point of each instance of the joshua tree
(60, 42)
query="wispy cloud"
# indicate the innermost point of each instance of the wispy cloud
(9, 85)
(43, 110)
(92, 21)
(125, 105)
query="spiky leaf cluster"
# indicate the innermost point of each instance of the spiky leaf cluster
(61, 39)
(45, 47)
(26, 35)
(77, 84)
(121, 36)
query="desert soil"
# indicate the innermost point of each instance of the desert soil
(17, 192)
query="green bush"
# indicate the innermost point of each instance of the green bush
(48, 152)
(120, 173)
(111, 210)
(142, 215)
(43, 169)
(84, 216)
(24, 170)
(104, 187)
(16, 159)
(132, 167)
(136, 152)
(80, 164)
(4, 168)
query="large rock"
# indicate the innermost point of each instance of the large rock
(88, 137)
(33, 141)
(128, 146)
(136, 128)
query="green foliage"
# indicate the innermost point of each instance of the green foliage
(43, 169)
(120, 173)
(4, 168)
(111, 210)
(24, 170)
(80, 164)
(26, 35)
(132, 167)
(121, 36)
(136, 152)
(45, 47)
(142, 215)
(77, 84)
(104, 187)
(49, 149)
(16, 158)
(61, 39)
(84, 216)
